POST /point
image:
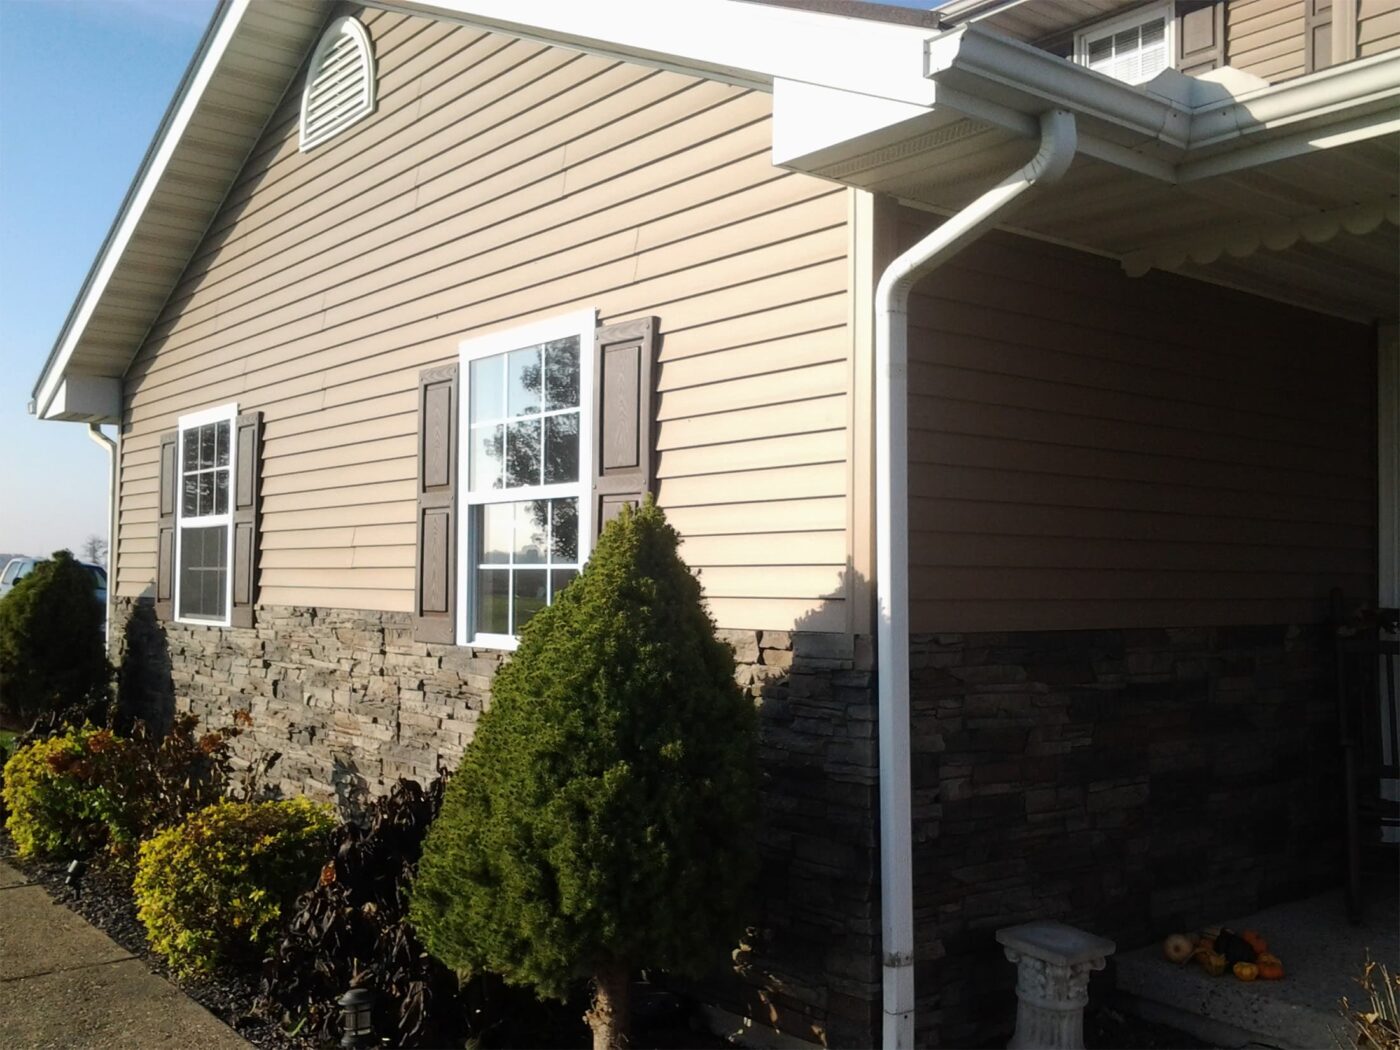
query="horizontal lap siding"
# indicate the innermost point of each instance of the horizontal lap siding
(1265, 37)
(499, 182)
(1092, 451)
(1377, 27)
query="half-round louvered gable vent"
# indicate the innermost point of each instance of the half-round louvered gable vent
(339, 83)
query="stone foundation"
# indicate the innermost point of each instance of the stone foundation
(348, 703)
(1127, 782)
(1132, 783)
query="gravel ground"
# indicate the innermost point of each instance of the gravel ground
(105, 901)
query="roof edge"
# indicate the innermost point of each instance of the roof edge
(143, 174)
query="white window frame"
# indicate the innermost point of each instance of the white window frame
(582, 324)
(223, 413)
(1136, 17)
(345, 25)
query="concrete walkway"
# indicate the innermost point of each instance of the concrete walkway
(65, 985)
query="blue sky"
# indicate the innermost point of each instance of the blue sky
(83, 85)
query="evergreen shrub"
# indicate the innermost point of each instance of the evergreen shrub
(603, 818)
(215, 887)
(51, 641)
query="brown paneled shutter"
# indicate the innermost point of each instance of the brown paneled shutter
(435, 605)
(1200, 36)
(623, 471)
(248, 462)
(165, 526)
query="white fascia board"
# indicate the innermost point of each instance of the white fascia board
(134, 208)
(744, 43)
(1145, 129)
(1368, 84)
(982, 62)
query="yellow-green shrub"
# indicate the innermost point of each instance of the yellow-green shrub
(70, 794)
(214, 887)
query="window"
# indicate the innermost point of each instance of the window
(11, 572)
(204, 532)
(1133, 49)
(340, 83)
(526, 510)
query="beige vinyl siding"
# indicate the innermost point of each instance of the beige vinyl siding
(1093, 451)
(500, 182)
(1377, 27)
(1265, 37)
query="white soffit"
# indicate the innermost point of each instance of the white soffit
(240, 72)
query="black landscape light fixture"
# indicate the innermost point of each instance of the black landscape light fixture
(357, 1019)
(74, 877)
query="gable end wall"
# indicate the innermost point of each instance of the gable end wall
(500, 182)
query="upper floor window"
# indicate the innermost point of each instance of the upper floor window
(527, 403)
(1134, 48)
(340, 83)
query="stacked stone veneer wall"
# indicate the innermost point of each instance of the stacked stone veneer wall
(1130, 782)
(348, 703)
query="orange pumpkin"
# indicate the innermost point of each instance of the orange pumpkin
(1255, 940)
(1270, 967)
(1206, 942)
(1246, 971)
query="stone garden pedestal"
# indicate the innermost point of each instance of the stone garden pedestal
(1053, 963)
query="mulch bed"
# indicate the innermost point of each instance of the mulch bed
(104, 899)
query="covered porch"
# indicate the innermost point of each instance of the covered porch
(1149, 427)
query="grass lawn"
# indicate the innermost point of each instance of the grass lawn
(7, 743)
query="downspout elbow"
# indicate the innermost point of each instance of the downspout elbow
(1059, 140)
(1052, 159)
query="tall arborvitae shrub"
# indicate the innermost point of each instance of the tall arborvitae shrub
(51, 641)
(603, 818)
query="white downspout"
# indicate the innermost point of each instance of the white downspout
(1057, 146)
(95, 433)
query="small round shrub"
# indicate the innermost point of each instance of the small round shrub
(51, 641)
(214, 887)
(70, 794)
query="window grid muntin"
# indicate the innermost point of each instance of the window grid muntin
(509, 568)
(224, 415)
(578, 328)
(218, 470)
(504, 422)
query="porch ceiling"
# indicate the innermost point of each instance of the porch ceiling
(1318, 229)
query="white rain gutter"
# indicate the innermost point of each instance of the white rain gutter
(99, 438)
(1057, 148)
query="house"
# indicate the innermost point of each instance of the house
(1022, 379)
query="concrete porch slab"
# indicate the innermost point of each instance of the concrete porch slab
(1322, 955)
